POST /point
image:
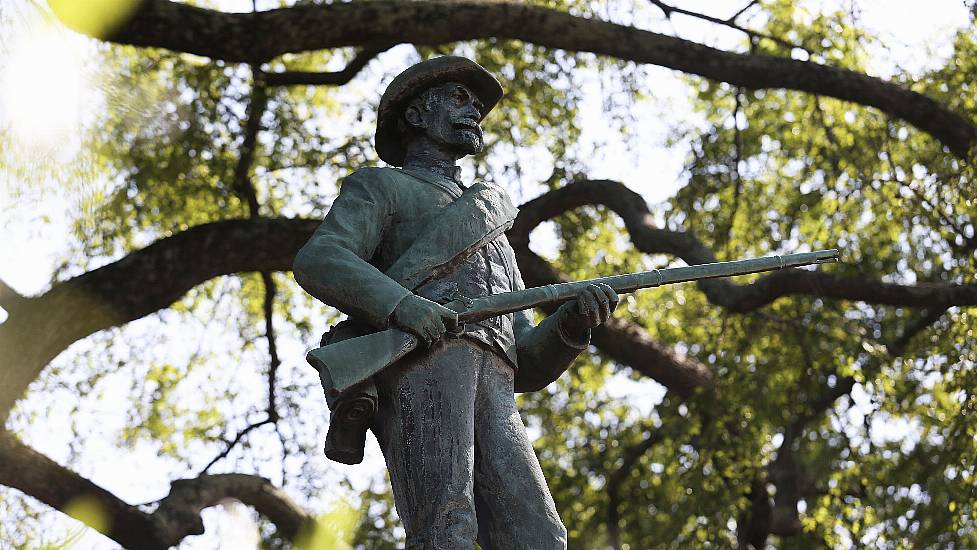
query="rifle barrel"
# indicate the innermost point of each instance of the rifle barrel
(501, 304)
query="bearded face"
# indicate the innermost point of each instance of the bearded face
(448, 115)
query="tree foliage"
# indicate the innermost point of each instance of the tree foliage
(838, 412)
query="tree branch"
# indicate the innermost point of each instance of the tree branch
(630, 458)
(190, 496)
(742, 10)
(625, 342)
(141, 283)
(784, 472)
(151, 279)
(337, 78)
(10, 298)
(259, 37)
(273, 360)
(233, 443)
(648, 238)
(898, 345)
(730, 23)
(252, 125)
(244, 185)
(177, 516)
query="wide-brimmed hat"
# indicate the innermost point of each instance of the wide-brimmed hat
(389, 142)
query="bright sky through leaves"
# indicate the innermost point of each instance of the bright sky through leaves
(47, 89)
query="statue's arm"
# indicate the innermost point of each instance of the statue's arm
(333, 266)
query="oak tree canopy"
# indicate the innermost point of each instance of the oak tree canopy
(220, 146)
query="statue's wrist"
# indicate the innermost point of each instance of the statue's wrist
(393, 319)
(572, 327)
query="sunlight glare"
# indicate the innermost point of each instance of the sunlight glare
(42, 88)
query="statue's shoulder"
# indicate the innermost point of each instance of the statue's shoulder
(376, 174)
(375, 180)
(500, 195)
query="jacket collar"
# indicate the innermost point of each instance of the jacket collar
(454, 189)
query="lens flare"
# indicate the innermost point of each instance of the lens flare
(96, 18)
(42, 87)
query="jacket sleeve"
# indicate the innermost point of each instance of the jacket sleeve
(333, 266)
(546, 351)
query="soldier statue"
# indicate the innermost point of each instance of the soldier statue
(397, 244)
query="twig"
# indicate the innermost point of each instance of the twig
(734, 173)
(274, 363)
(970, 243)
(898, 346)
(233, 443)
(731, 23)
(737, 15)
(631, 457)
(252, 125)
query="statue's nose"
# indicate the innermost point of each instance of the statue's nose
(472, 112)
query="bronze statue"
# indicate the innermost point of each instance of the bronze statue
(445, 416)
(408, 252)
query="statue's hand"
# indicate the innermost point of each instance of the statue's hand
(423, 318)
(593, 307)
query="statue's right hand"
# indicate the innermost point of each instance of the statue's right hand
(423, 318)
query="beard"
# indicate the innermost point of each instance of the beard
(469, 140)
(465, 138)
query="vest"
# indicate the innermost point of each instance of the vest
(487, 271)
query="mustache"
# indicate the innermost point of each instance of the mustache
(467, 123)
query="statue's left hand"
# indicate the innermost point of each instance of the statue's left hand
(593, 307)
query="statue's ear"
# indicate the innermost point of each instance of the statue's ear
(412, 114)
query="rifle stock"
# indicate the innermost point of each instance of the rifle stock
(352, 361)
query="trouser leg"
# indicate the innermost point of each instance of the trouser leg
(425, 426)
(514, 505)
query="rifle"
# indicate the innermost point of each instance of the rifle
(352, 361)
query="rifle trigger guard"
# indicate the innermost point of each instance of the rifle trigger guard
(459, 331)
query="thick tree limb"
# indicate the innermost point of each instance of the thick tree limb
(178, 514)
(193, 495)
(40, 477)
(625, 342)
(649, 238)
(9, 298)
(153, 278)
(148, 280)
(259, 37)
(141, 283)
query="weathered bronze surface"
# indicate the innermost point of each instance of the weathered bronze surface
(352, 361)
(414, 257)
(398, 244)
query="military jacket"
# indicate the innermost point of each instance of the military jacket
(374, 220)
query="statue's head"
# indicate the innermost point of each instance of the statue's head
(442, 99)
